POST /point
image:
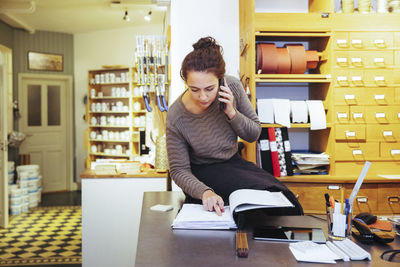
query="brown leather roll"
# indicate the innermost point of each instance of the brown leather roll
(283, 61)
(298, 58)
(312, 59)
(269, 58)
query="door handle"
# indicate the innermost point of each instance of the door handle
(3, 147)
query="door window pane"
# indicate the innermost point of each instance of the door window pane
(53, 105)
(34, 105)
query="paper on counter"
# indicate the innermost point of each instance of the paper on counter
(317, 114)
(308, 251)
(265, 110)
(282, 111)
(390, 176)
(299, 111)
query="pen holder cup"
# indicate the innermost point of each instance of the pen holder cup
(339, 226)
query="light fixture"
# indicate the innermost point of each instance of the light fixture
(126, 16)
(148, 16)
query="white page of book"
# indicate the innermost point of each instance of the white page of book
(246, 199)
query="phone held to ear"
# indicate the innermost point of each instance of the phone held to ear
(366, 236)
(221, 83)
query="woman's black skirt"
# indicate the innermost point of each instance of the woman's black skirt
(237, 173)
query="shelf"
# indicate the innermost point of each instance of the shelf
(120, 83)
(293, 34)
(109, 141)
(140, 111)
(109, 155)
(107, 126)
(110, 112)
(293, 78)
(292, 125)
(110, 97)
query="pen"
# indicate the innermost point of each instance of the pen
(348, 216)
(332, 203)
(328, 212)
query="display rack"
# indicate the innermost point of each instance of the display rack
(359, 85)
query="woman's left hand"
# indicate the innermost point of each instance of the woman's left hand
(226, 96)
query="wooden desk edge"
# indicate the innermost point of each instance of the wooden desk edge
(90, 174)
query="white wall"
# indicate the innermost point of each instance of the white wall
(91, 51)
(193, 19)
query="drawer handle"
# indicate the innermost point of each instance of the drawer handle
(387, 133)
(393, 199)
(357, 115)
(362, 199)
(395, 151)
(357, 152)
(350, 134)
(379, 43)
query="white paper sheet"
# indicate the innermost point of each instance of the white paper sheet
(317, 114)
(299, 111)
(265, 110)
(390, 176)
(308, 251)
(282, 111)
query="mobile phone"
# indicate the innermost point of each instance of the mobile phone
(221, 83)
(289, 234)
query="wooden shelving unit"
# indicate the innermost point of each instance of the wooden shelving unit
(368, 106)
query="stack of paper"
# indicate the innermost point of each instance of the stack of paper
(310, 163)
(128, 167)
(193, 216)
(308, 251)
(105, 169)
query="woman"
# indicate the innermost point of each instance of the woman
(203, 126)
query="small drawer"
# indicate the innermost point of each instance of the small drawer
(342, 79)
(356, 151)
(377, 59)
(379, 114)
(341, 40)
(357, 78)
(371, 40)
(342, 59)
(350, 132)
(390, 151)
(397, 40)
(347, 96)
(379, 77)
(342, 114)
(389, 198)
(397, 95)
(397, 57)
(380, 96)
(357, 114)
(366, 199)
(384, 133)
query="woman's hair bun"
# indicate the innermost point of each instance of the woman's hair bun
(205, 42)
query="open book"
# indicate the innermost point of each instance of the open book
(193, 216)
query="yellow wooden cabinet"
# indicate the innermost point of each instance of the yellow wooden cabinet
(358, 80)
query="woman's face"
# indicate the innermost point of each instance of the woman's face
(203, 88)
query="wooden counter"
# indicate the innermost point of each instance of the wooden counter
(90, 174)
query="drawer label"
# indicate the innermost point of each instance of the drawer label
(379, 41)
(342, 115)
(341, 60)
(342, 78)
(387, 133)
(357, 115)
(357, 41)
(357, 152)
(379, 78)
(379, 97)
(395, 151)
(356, 59)
(379, 60)
(356, 78)
(380, 115)
(341, 41)
(333, 187)
(350, 134)
(349, 97)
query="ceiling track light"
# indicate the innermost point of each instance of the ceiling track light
(126, 16)
(148, 16)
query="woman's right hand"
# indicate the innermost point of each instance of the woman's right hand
(212, 202)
